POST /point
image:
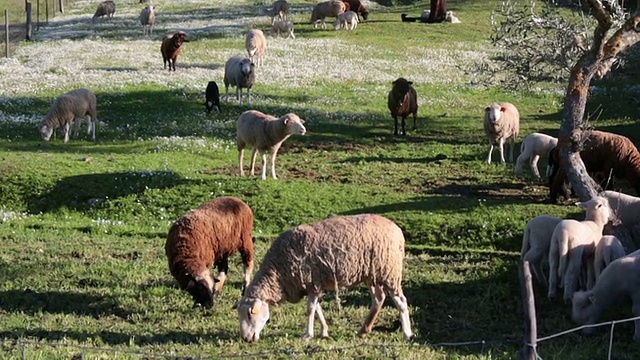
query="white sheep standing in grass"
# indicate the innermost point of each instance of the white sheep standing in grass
(148, 19)
(533, 147)
(535, 243)
(329, 255)
(67, 109)
(239, 72)
(256, 45)
(501, 123)
(618, 280)
(279, 10)
(282, 27)
(609, 248)
(331, 8)
(265, 133)
(573, 240)
(347, 20)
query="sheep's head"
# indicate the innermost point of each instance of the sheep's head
(294, 124)
(253, 315)
(246, 66)
(494, 112)
(179, 38)
(46, 132)
(401, 89)
(201, 289)
(584, 308)
(364, 13)
(597, 209)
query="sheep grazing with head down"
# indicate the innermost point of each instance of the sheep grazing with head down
(533, 147)
(329, 255)
(573, 240)
(325, 9)
(256, 44)
(208, 236)
(106, 8)
(608, 249)
(69, 108)
(171, 48)
(239, 72)
(282, 27)
(279, 10)
(265, 133)
(618, 281)
(212, 96)
(606, 153)
(148, 19)
(501, 123)
(535, 243)
(402, 101)
(357, 7)
(347, 20)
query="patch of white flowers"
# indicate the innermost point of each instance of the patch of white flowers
(8, 215)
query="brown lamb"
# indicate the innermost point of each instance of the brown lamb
(605, 153)
(171, 47)
(207, 236)
(402, 101)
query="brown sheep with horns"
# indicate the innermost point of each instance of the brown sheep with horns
(208, 236)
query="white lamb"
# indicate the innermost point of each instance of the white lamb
(329, 255)
(148, 19)
(535, 243)
(265, 133)
(609, 248)
(67, 109)
(501, 123)
(282, 27)
(347, 20)
(239, 72)
(325, 9)
(533, 147)
(571, 241)
(619, 280)
(256, 45)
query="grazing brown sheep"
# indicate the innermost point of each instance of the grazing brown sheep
(356, 6)
(208, 236)
(171, 47)
(605, 153)
(402, 101)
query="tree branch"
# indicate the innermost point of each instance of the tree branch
(627, 36)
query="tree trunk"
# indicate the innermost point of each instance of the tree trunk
(596, 62)
(439, 11)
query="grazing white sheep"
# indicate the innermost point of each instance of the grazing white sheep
(148, 19)
(347, 20)
(325, 9)
(608, 249)
(69, 108)
(256, 45)
(329, 255)
(239, 72)
(265, 133)
(501, 123)
(279, 10)
(282, 27)
(618, 280)
(533, 147)
(571, 241)
(535, 243)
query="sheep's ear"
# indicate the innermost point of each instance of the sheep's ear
(581, 204)
(410, 82)
(503, 109)
(487, 108)
(394, 82)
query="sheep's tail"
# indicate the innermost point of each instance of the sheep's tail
(563, 255)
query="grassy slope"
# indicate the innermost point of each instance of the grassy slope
(84, 224)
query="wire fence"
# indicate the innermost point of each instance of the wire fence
(25, 344)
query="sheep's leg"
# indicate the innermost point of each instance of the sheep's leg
(223, 269)
(247, 262)
(377, 299)
(404, 125)
(273, 164)
(501, 149)
(534, 258)
(67, 127)
(512, 141)
(490, 151)
(324, 328)
(571, 276)
(249, 96)
(264, 165)
(553, 268)
(253, 161)
(395, 126)
(635, 308)
(415, 114)
(534, 166)
(240, 159)
(239, 94)
(400, 302)
(312, 305)
(520, 162)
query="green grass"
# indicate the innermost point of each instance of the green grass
(83, 224)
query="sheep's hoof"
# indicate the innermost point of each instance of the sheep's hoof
(306, 337)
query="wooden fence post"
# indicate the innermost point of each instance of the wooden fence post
(38, 15)
(29, 23)
(46, 11)
(6, 33)
(528, 351)
(61, 4)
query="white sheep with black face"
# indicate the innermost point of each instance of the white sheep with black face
(329, 255)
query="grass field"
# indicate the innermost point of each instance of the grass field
(83, 224)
